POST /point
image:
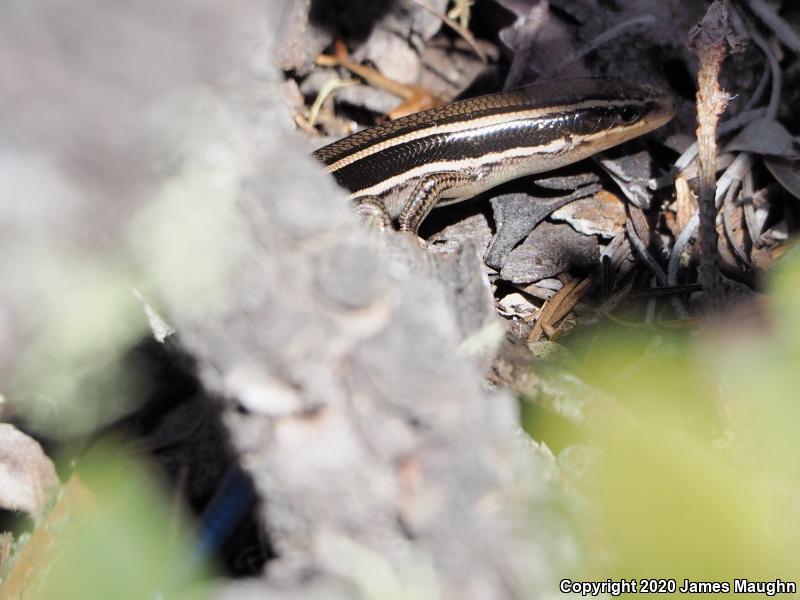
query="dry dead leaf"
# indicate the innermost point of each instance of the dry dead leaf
(601, 214)
(558, 307)
(685, 203)
(767, 137)
(786, 172)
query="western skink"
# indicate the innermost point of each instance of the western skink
(400, 170)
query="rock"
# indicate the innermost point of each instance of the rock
(474, 228)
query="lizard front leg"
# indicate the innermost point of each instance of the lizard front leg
(373, 210)
(425, 195)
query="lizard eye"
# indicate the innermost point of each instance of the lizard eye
(629, 114)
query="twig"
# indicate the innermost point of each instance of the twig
(740, 166)
(368, 74)
(558, 307)
(725, 128)
(711, 39)
(748, 191)
(641, 249)
(678, 247)
(415, 98)
(565, 307)
(747, 115)
(655, 292)
(781, 28)
(462, 11)
(727, 223)
(612, 258)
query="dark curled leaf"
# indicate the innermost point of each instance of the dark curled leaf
(765, 136)
(517, 214)
(786, 172)
(549, 250)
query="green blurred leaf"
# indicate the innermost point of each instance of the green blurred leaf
(72, 378)
(120, 540)
(696, 474)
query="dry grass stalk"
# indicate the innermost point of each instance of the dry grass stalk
(711, 39)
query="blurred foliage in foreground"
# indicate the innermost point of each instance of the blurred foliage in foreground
(691, 454)
(109, 535)
(689, 471)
